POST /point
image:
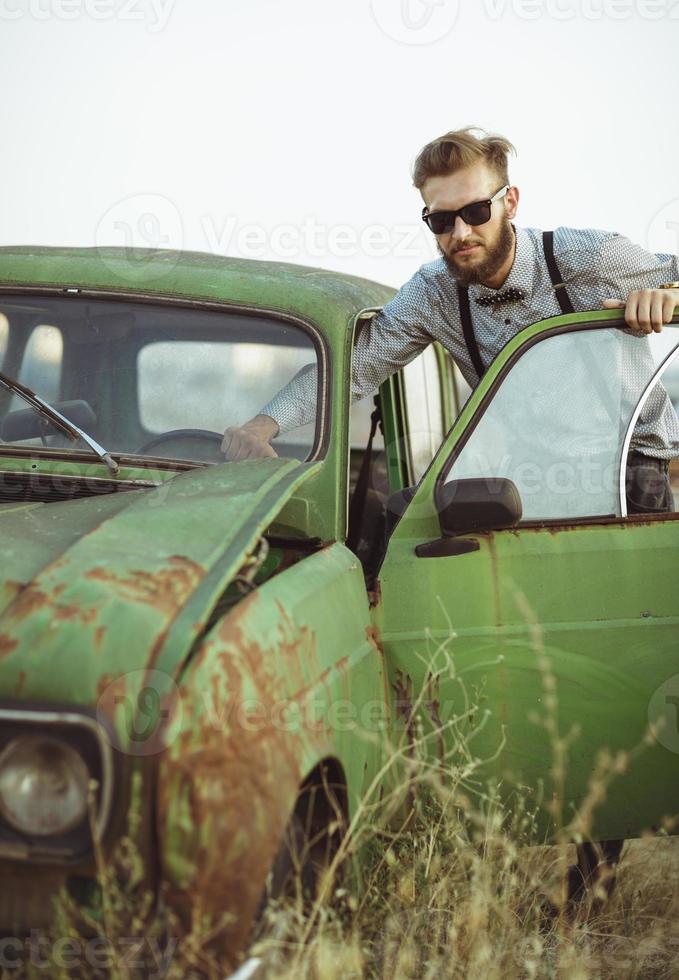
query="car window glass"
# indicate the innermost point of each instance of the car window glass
(424, 411)
(661, 346)
(41, 364)
(134, 372)
(228, 381)
(461, 390)
(361, 412)
(557, 425)
(4, 337)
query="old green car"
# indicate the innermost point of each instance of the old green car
(227, 644)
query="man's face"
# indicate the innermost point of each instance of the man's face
(474, 253)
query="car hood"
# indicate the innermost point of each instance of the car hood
(96, 589)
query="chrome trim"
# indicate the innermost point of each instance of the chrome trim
(673, 354)
(83, 721)
(80, 478)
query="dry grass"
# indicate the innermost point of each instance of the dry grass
(458, 888)
(483, 912)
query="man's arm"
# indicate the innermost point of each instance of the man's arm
(636, 276)
(252, 440)
(385, 343)
(292, 406)
(647, 310)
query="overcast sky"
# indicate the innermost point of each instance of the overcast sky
(287, 130)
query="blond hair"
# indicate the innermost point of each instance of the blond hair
(462, 148)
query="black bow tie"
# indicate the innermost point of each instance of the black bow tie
(506, 296)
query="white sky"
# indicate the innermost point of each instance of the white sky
(286, 129)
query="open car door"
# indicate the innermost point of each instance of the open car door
(516, 581)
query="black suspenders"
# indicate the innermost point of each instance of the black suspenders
(560, 291)
(468, 330)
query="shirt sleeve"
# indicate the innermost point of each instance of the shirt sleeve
(621, 266)
(385, 343)
(295, 404)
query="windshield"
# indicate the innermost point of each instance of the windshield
(144, 379)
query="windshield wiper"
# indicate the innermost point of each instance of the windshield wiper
(58, 420)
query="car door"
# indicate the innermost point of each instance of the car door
(565, 626)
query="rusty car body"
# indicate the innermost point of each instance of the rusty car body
(197, 637)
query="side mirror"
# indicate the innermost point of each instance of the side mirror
(468, 506)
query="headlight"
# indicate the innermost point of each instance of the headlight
(43, 785)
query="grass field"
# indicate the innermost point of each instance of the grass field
(493, 911)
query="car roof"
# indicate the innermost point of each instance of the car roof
(329, 299)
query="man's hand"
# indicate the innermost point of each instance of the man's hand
(647, 309)
(250, 441)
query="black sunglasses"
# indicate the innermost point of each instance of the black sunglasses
(476, 213)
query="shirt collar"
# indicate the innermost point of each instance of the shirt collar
(522, 273)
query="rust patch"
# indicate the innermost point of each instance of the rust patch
(99, 635)
(85, 615)
(165, 590)
(433, 707)
(403, 689)
(103, 683)
(298, 638)
(155, 650)
(7, 644)
(29, 600)
(375, 595)
(373, 636)
(111, 691)
(238, 786)
(13, 589)
(229, 780)
(20, 683)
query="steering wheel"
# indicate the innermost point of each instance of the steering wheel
(211, 441)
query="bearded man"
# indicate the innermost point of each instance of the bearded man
(492, 280)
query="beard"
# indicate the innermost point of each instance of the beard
(496, 255)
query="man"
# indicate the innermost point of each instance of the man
(503, 273)
(492, 280)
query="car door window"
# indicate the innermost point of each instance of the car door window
(558, 424)
(461, 388)
(424, 411)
